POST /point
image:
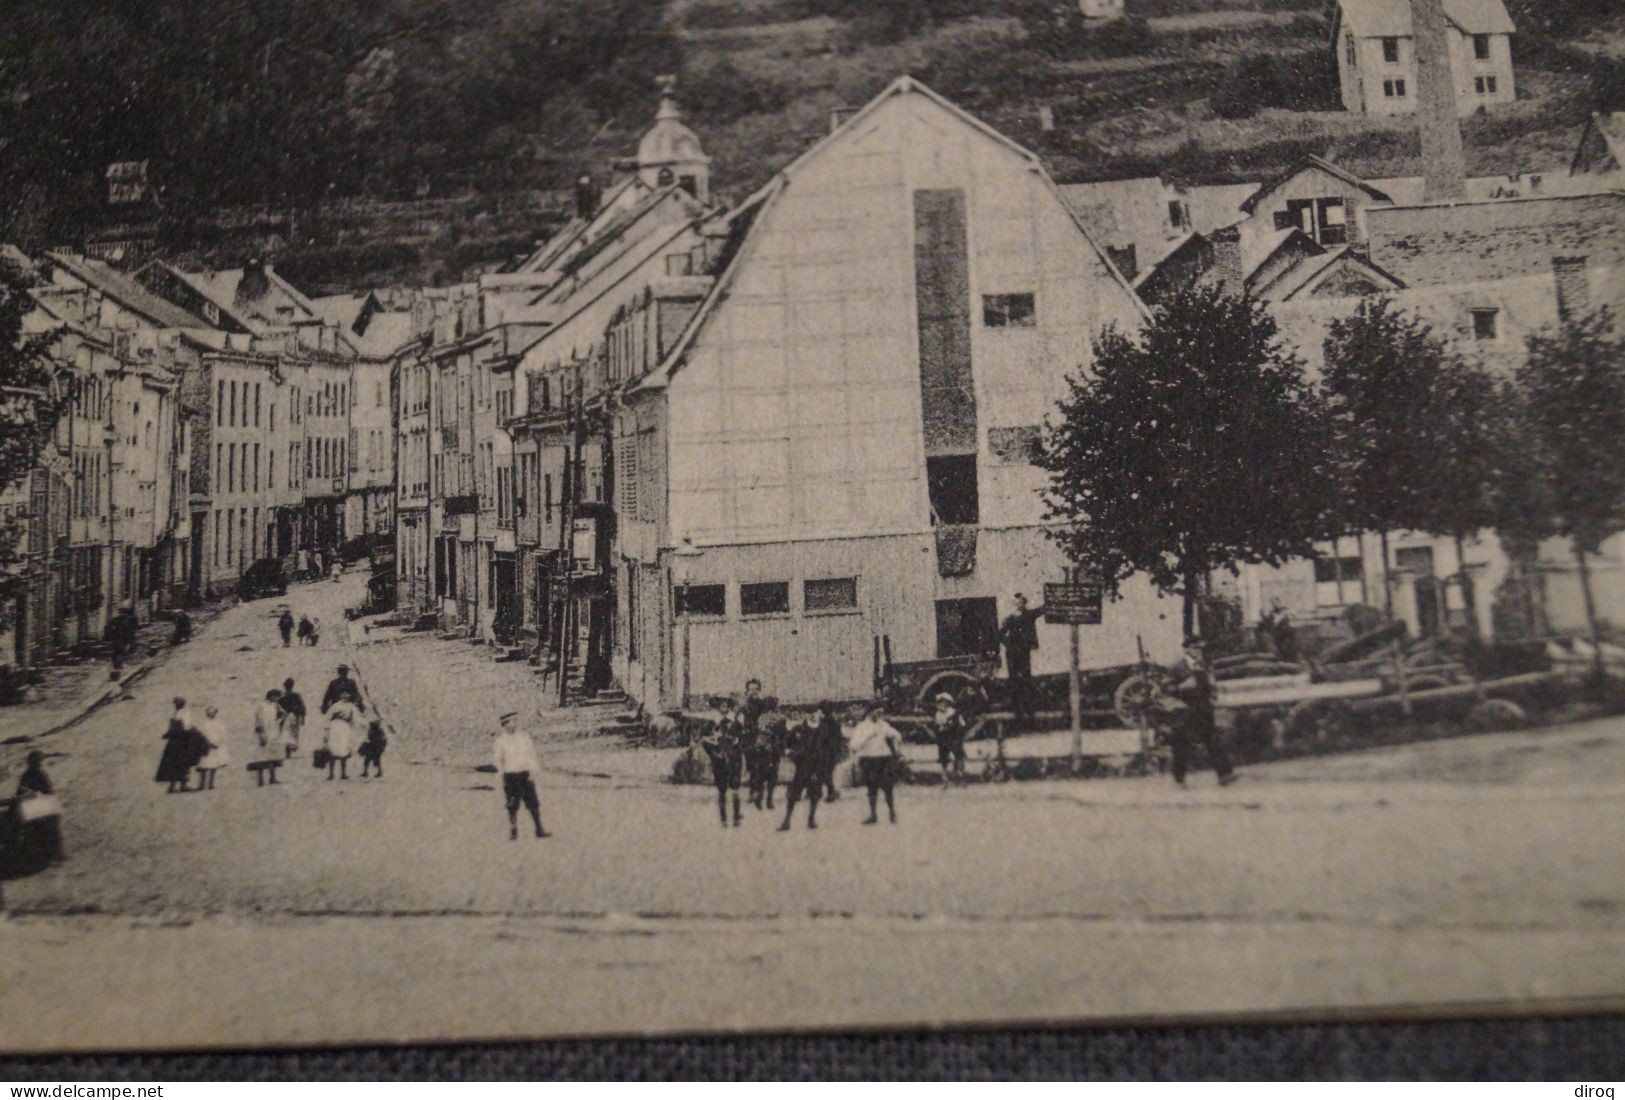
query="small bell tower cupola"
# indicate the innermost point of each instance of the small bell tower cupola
(670, 152)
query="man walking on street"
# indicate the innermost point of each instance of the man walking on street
(815, 748)
(1194, 688)
(1019, 636)
(342, 687)
(285, 625)
(516, 762)
(725, 749)
(121, 632)
(764, 746)
(949, 726)
(879, 749)
(293, 716)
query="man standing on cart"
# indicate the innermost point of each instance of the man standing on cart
(1019, 636)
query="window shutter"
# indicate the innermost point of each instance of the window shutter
(626, 475)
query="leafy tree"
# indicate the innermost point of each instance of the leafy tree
(1523, 503)
(1191, 446)
(29, 409)
(1382, 370)
(1417, 430)
(1573, 381)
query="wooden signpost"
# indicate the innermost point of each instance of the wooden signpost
(1076, 602)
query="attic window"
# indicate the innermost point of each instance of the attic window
(1178, 215)
(1324, 220)
(1486, 324)
(1481, 47)
(1008, 311)
(1390, 50)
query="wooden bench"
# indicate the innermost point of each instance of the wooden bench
(260, 767)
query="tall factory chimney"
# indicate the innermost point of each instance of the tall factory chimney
(1444, 165)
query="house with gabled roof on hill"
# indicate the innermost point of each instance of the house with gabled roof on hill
(1375, 46)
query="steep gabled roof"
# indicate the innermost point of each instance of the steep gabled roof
(750, 213)
(126, 292)
(1304, 277)
(1392, 18)
(1609, 126)
(577, 228)
(1306, 164)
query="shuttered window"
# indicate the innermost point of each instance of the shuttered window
(626, 476)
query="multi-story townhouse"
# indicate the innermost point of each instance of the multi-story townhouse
(621, 276)
(379, 336)
(235, 464)
(127, 435)
(413, 539)
(255, 301)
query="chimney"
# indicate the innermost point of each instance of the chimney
(253, 284)
(586, 198)
(1226, 258)
(1444, 166)
(1573, 286)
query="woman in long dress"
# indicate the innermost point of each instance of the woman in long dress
(217, 756)
(269, 736)
(341, 737)
(175, 765)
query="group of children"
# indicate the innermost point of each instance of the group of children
(746, 744)
(194, 744)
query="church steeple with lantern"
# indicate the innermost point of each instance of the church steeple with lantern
(670, 152)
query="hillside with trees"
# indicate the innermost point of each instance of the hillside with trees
(476, 114)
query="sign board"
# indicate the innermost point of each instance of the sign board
(584, 545)
(1077, 603)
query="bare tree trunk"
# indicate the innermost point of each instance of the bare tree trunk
(1387, 583)
(1365, 589)
(1591, 613)
(1467, 593)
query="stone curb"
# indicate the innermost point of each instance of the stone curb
(92, 701)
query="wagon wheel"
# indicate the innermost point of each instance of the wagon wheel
(1425, 683)
(954, 683)
(1133, 697)
(1318, 722)
(1497, 714)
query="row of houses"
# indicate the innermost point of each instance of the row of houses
(214, 419)
(685, 441)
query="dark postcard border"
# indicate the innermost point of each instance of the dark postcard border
(1551, 1048)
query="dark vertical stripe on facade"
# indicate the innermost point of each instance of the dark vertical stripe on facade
(942, 298)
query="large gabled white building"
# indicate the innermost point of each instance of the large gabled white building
(836, 456)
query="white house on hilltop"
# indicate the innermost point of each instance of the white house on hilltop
(1376, 55)
(1101, 9)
